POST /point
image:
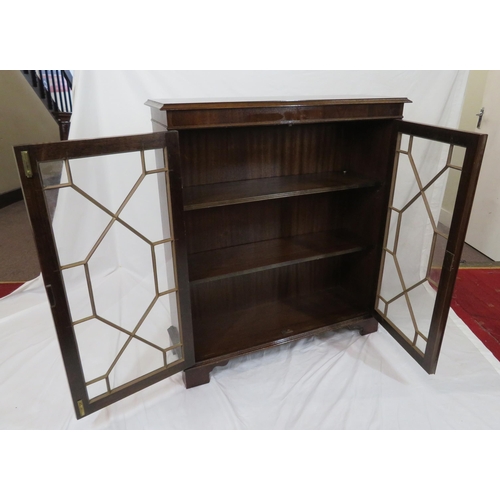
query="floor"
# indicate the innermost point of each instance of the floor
(470, 256)
(18, 256)
(473, 258)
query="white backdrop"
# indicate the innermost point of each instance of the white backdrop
(344, 382)
(112, 102)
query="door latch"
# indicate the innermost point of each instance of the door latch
(480, 119)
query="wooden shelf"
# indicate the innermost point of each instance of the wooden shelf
(231, 193)
(272, 323)
(262, 255)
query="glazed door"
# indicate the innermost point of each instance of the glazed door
(425, 232)
(108, 225)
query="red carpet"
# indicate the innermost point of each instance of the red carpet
(476, 300)
(6, 288)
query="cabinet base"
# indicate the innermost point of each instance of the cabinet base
(367, 326)
(199, 375)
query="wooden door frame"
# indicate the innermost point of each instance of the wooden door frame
(28, 157)
(475, 145)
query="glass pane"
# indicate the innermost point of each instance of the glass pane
(97, 388)
(422, 303)
(415, 237)
(138, 359)
(457, 157)
(117, 262)
(97, 362)
(400, 314)
(421, 344)
(121, 272)
(165, 267)
(97, 176)
(404, 144)
(406, 188)
(51, 173)
(449, 198)
(392, 230)
(174, 355)
(147, 202)
(77, 224)
(436, 260)
(429, 158)
(154, 160)
(161, 321)
(391, 285)
(426, 187)
(77, 292)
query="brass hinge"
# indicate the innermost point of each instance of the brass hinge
(81, 409)
(25, 157)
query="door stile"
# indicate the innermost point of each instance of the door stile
(463, 206)
(51, 274)
(180, 243)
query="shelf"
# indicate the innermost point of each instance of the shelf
(254, 257)
(231, 193)
(272, 323)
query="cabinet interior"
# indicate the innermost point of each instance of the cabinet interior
(284, 228)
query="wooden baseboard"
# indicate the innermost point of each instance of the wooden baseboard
(10, 197)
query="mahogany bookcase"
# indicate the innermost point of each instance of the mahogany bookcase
(284, 221)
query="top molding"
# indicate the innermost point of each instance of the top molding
(177, 114)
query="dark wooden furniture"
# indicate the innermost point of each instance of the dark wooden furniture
(284, 218)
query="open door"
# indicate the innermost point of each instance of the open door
(108, 225)
(425, 233)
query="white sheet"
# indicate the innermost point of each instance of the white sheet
(341, 381)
